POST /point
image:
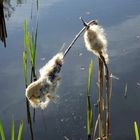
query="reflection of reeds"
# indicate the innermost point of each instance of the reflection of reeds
(3, 31)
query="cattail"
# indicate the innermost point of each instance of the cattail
(95, 41)
(42, 91)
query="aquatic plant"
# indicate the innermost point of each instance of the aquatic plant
(96, 42)
(30, 43)
(136, 131)
(42, 91)
(89, 108)
(12, 131)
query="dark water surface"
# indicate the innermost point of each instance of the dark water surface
(58, 24)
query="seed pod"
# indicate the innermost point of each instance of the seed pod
(42, 91)
(95, 41)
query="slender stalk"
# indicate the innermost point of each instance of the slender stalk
(29, 118)
(107, 97)
(20, 130)
(77, 36)
(89, 108)
(2, 131)
(33, 78)
(100, 86)
(96, 125)
(136, 131)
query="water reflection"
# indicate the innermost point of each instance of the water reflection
(8, 8)
(3, 32)
(58, 121)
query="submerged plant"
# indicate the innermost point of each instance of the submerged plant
(42, 91)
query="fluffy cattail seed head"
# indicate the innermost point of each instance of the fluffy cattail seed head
(95, 41)
(42, 91)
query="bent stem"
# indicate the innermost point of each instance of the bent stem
(77, 36)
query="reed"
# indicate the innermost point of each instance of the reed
(96, 42)
(12, 131)
(89, 108)
(136, 131)
(100, 98)
(30, 43)
(2, 131)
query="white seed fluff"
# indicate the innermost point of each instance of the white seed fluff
(95, 41)
(42, 91)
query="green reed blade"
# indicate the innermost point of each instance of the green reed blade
(34, 42)
(136, 131)
(89, 109)
(2, 131)
(25, 32)
(36, 32)
(89, 76)
(20, 130)
(33, 51)
(13, 130)
(25, 67)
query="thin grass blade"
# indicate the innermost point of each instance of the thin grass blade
(2, 131)
(136, 131)
(20, 130)
(25, 32)
(89, 76)
(13, 130)
(89, 109)
(25, 67)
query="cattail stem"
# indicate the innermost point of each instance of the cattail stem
(84, 23)
(100, 86)
(95, 128)
(33, 78)
(29, 119)
(107, 97)
(78, 35)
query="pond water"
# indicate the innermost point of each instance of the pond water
(58, 24)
